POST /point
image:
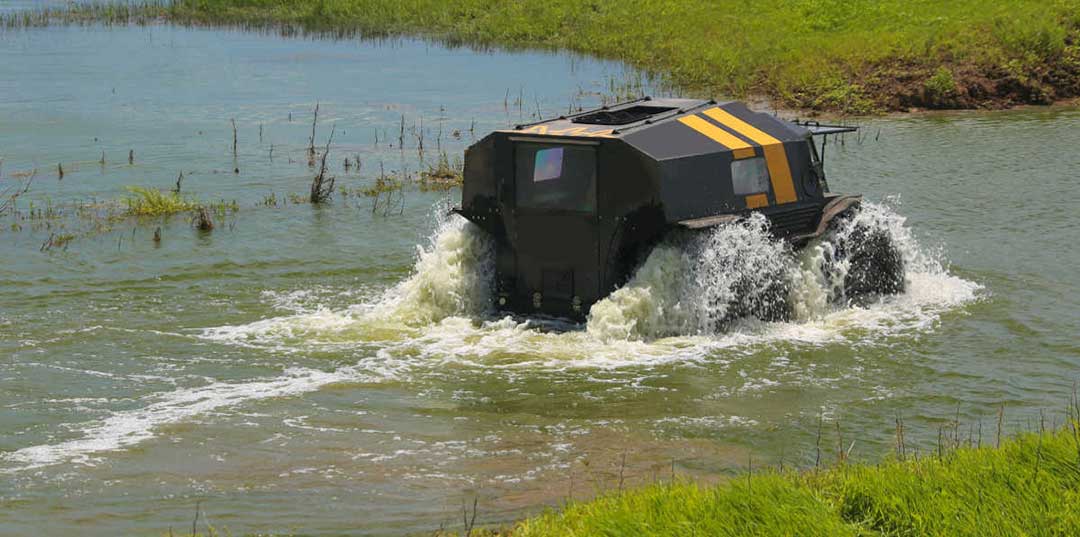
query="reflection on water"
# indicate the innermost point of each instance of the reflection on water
(314, 368)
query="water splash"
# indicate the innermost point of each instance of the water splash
(454, 275)
(705, 285)
(683, 305)
(692, 296)
(452, 278)
(694, 285)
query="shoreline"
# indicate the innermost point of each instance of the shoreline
(962, 486)
(1013, 72)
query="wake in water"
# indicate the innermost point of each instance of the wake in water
(701, 291)
(128, 428)
(693, 300)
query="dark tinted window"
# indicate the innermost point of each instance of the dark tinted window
(549, 176)
(749, 176)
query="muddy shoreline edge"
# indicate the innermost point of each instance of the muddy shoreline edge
(1040, 69)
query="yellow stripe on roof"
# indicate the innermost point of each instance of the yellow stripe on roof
(740, 148)
(775, 156)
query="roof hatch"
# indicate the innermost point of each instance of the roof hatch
(622, 116)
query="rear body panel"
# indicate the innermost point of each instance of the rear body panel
(575, 203)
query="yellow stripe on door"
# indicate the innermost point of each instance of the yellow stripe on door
(775, 156)
(740, 148)
(754, 201)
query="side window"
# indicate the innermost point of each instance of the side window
(749, 176)
(548, 165)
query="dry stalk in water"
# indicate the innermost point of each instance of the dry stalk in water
(420, 139)
(311, 141)
(401, 133)
(233, 121)
(322, 187)
(202, 220)
(622, 469)
(817, 443)
(469, 521)
(7, 201)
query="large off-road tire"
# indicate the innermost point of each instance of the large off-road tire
(875, 265)
(761, 293)
(765, 299)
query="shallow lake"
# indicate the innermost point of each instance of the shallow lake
(309, 368)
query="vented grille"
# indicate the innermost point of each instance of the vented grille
(793, 221)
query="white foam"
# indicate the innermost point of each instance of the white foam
(707, 422)
(665, 314)
(128, 428)
(689, 284)
(453, 276)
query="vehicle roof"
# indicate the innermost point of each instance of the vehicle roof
(668, 128)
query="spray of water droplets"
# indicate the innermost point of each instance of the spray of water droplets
(704, 284)
(734, 285)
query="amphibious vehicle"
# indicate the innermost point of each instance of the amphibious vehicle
(575, 203)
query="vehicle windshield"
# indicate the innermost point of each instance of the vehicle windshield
(553, 176)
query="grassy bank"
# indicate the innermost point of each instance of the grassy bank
(1028, 486)
(838, 55)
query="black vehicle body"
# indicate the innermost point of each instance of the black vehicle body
(575, 203)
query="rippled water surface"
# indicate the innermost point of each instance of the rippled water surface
(324, 370)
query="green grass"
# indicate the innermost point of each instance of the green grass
(838, 55)
(1028, 486)
(143, 201)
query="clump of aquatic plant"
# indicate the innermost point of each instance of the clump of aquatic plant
(143, 201)
(222, 207)
(442, 175)
(57, 240)
(270, 200)
(386, 193)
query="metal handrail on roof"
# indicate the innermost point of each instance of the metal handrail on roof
(818, 129)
